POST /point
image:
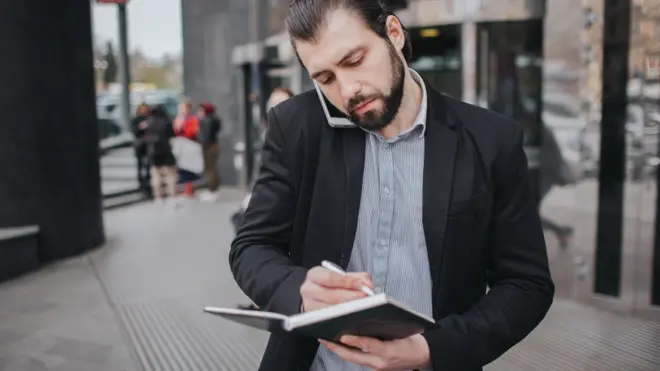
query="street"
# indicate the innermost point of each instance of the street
(136, 304)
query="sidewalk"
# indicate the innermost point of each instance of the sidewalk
(136, 305)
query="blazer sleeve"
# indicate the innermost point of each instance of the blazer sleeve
(259, 255)
(520, 286)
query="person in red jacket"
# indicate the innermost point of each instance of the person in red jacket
(186, 124)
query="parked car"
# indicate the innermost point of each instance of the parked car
(108, 105)
(108, 128)
(110, 120)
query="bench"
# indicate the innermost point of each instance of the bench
(19, 251)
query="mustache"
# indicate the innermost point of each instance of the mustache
(358, 100)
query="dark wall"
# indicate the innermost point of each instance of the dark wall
(49, 164)
(211, 29)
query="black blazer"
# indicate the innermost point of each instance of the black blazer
(480, 219)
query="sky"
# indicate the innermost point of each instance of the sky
(154, 34)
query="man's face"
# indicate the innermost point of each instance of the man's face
(184, 109)
(359, 72)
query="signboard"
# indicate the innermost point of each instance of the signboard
(112, 1)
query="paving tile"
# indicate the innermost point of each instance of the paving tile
(135, 305)
(29, 362)
(80, 350)
(8, 337)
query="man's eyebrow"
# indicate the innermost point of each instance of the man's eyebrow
(343, 59)
(349, 54)
(317, 74)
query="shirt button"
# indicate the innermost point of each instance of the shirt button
(383, 242)
(386, 190)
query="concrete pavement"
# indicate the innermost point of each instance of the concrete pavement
(577, 206)
(136, 305)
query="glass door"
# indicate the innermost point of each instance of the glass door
(509, 73)
(437, 57)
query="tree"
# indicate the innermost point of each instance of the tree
(110, 72)
(162, 72)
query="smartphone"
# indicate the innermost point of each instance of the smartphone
(335, 118)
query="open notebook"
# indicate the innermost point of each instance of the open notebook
(377, 316)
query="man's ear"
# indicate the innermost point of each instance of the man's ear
(395, 32)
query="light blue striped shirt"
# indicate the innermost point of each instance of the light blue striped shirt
(389, 242)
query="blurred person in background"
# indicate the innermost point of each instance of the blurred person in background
(158, 132)
(278, 96)
(138, 127)
(186, 125)
(555, 171)
(209, 128)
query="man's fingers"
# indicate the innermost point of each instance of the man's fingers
(356, 356)
(311, 291)
(367, 344)
(328, 278)
(338, 296)
(364, 277)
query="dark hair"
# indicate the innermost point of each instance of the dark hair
(306, 17)
(159, 111)
(142, 110)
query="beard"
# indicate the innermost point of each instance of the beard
(374, 119)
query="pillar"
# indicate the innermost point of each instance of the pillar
(210, 31)
(49, 157)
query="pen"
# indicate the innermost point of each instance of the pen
(337, 269)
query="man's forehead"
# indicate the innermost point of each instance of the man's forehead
(327, 53)
(342, 33)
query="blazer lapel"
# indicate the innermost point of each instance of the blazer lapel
(354, 149)
(439, 157)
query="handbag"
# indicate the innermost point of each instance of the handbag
(188, 154)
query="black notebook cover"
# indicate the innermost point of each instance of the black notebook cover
(384, 322)
(377, 316)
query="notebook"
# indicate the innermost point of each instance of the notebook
(377, 316)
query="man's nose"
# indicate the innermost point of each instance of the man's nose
(349, 89)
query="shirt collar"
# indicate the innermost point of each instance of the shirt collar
(420, 120)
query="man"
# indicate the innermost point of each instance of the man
(139, 127)
(158, 133)
(209, 128)
(186, 124)
(426, 200)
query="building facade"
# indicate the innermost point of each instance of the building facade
(539, 61)
(482, 52)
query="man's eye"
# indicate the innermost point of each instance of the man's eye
(326, 80)
(354, 62)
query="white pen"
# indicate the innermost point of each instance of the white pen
(337, 269)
